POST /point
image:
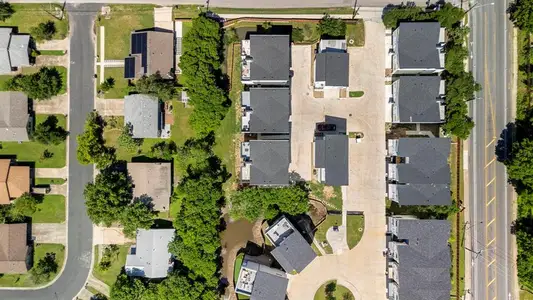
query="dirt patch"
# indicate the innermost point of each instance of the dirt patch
(318, 94)
(328, 192)
(317, 212)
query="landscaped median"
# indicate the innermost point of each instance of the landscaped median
(331, 291)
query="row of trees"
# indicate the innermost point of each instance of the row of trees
(42, 85)
(460, 85)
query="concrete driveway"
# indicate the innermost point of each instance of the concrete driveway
(49, 233)
(110, 107)
(109, 235)
(361, 269)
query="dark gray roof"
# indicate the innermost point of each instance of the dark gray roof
(417, 45)
(271, 57)
(143, 112)
(333, 68)
(426, 173)
(417, 99)
(271, 110)
(294, 253)
(424, 261)
(13, 117)
(331, 153)
(269, 286)
(270, 162)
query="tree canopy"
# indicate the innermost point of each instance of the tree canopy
(6, 10)
(126, 140)
(201, 74)
(447, 15)
(24, 206)
(43, 31)
(257, 202)
(127, 288)
(108, 196)
(91, 144)
(48, 132)
(154, 84)
(44, 268)
(328, 26)
(41, 85)
(137, 215)
(521, 14)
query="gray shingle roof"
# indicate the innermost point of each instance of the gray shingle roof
(270, 162)
(333, 68)
(5, 36)
(426, 173)
(424, 261)
(417, 99)
(331, 153)
(13, 116)
(151, 258)
(271, 57)
(271, 110)
(294, 253)
(417, 45)
(269, 286)
(143, 112)
(18, 50)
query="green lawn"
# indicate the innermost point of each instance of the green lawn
(355, 32)
(309, 28)
(50, 210)
(120, 89)
(525, 295)
(338, 294)
(117, 264)
(354, 229)
(320, 233)
(49, 181)
(181, 130)
(356, 94)
(191, 11)
(124, 19)
(27, 16)
(329, 194)
(24, 280)
(111, 137)
(237, 267)
(32, 151)
(52, 52)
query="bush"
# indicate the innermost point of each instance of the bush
(163, 150)
(48, 132)
(126, 140)
(108, 84)
(44, 268)
(521, 14)
(43, 31)
(154, 84)
(6, 10)
(230, 36)
(91, 144)
(42, 85)
(297, 35)
(23, 207)
(331, 27)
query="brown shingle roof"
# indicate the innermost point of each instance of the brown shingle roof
(14, 181)
(152, 180)
(160, 52)
(13, 248)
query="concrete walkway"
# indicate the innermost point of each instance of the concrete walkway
(110, 107)
(49, 233)
(58, 189)
(56, 105)
(102, 53)
(99, 285)
(84, 295)
(51, 172)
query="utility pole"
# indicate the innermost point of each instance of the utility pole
(355, 10)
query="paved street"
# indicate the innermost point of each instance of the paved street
(490, 197)
(79, 230)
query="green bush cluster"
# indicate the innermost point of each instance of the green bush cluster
(41, 85)
(91, 144)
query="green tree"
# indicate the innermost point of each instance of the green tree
(519, 168)
(24, 206)
(230, 36)
(127, 288)
(126, 140)
(6, 10)
(180, 287)
(44, 268)
(43, 31)
(332, 27)
(163, 150)
(48, 132)
(156, 85)
(41, 85)
(255, 203)
(195, 155)
(108, 196)
(108, 84)
(521, 14)
(137, 215)
(91, 144)
(297, 34)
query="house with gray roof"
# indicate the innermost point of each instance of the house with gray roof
(418, 48)
(14, 50)
(266, 110)
(418, 99)
(266, 59)
(331, 65)
(260, 282)
(418, 171)
(265, 162)
(331, 159)
(14, 117)
(292, 251)
(144, 114)
(149, 257)
(419, 259)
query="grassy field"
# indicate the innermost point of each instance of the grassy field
(24, 280)
(338, 294)
(110, 275)
(309, 28)
(320, 233)
(48, 181)
(120, 89)
(50, 210)
(355, 32)
(191, 11)
(27, 16)
(355, 228)
(124, 19)
(525, 295)
(181, 130)
(237, 268)
(32, 151)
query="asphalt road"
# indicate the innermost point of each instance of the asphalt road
(490, 195)
(81, 89)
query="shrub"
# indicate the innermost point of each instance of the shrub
(43, 31)
(332, 27)
(48, 132)
(42, 85)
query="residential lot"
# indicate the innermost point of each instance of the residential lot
(362, 269)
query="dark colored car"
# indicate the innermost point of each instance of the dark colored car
(326, 127)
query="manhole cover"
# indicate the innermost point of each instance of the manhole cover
(351, 41)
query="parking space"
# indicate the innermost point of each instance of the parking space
(361, 269)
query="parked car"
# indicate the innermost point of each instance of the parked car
(326, 127)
